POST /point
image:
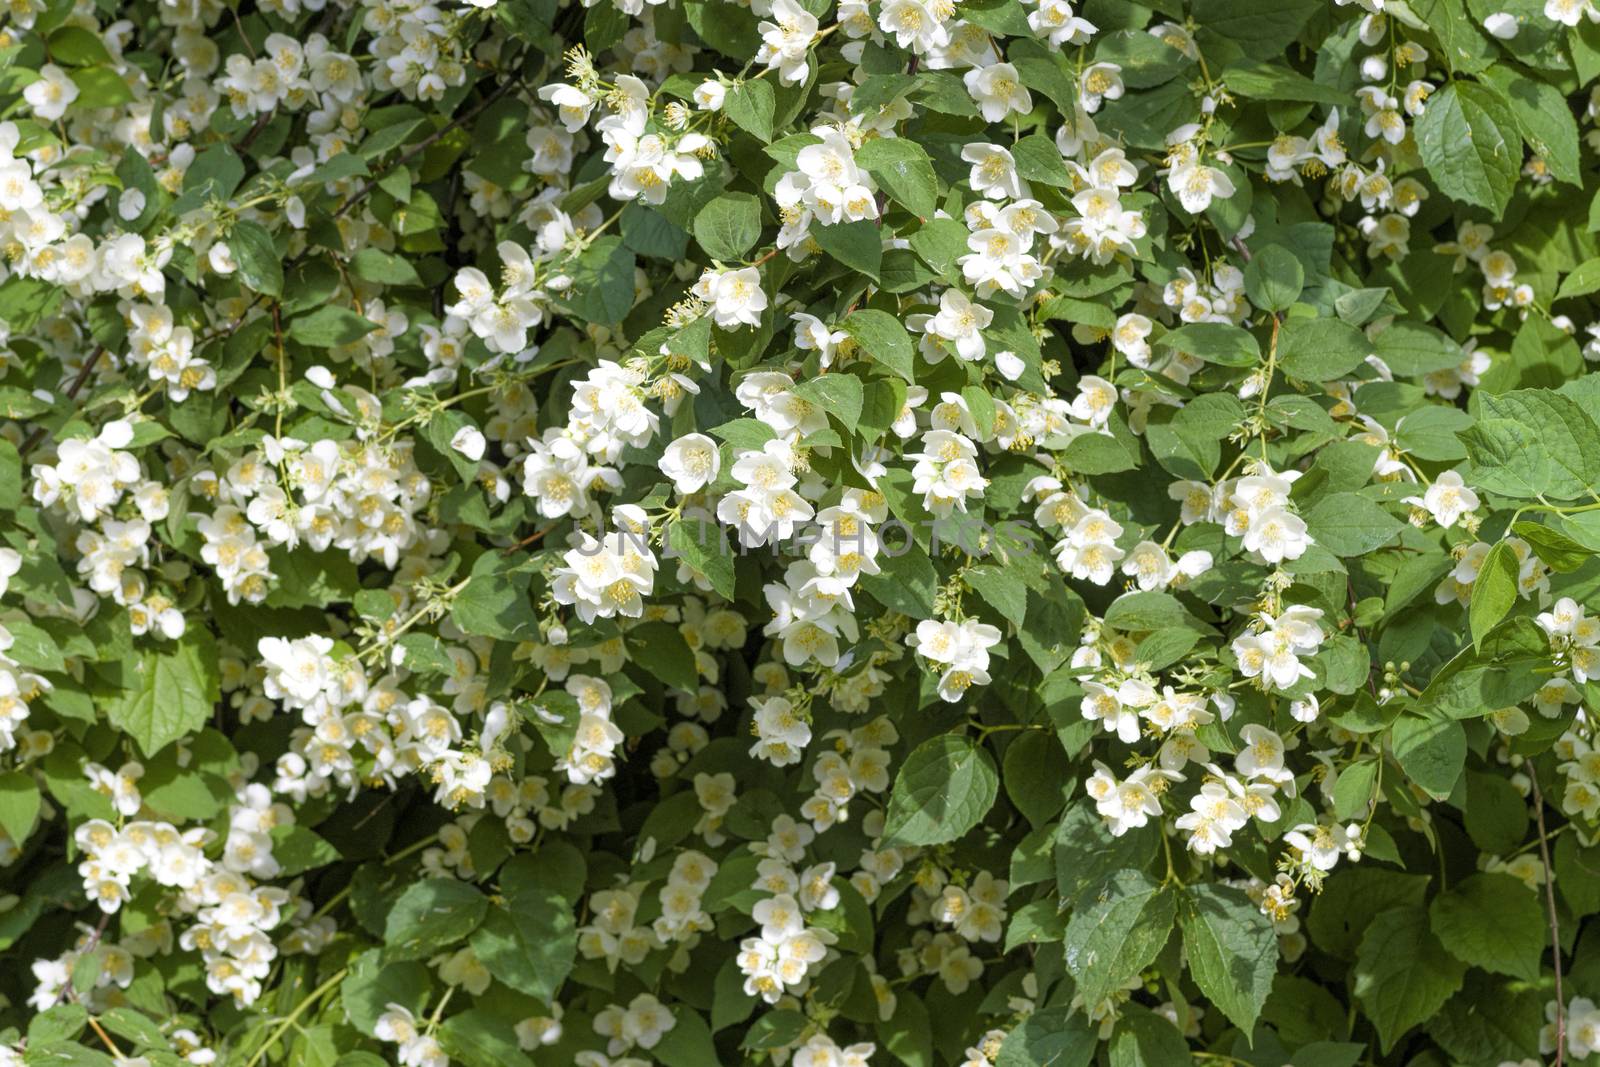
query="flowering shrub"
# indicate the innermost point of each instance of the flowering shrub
(938, 532)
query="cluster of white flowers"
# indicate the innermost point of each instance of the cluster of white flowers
(682, 918)
(782, 732)
(1274, 649)
(822, 1051)
(609, 576)
(233, 918)
(595, 740)
(779, 960)
(858, 762)
(418, 1046)
(959, 651)
(641, 1024)
(827, 186)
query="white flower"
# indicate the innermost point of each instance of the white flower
(1447, 499)
(994, 172)
(1195, 185)
(692, 462)
(786, 40)
(51, 94)
(1099, 82)
(998, 91)
(470, 442)
(735, 296)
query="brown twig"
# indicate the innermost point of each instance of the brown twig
(38, 432)
(530, 539)
(422, 145)
(1550, 908)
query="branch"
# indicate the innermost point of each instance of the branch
(1550, 908)
(73, 390)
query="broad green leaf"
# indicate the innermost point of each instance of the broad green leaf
(1320, 350)
(729, 226)
(19, 805)
(1049, 1037)
(1274, 278)
(1431, 748)
(840, 395)
(431, 915)
(1492, 921)
(330, 326)
(1116, 931)
(1494, 591)
(1402, 973)
(902, 169)
(170, 692)
(260, 266)
(884, 339)
(752, 104)
(1348, 524)
(1469, 141)
(1232, 950)
(531, 941)
(944, 788)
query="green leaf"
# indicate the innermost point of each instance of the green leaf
(602, 283)
(944, 788)
(660, 648)
(1348, 524)
(1116, 931)
(376, 265)
(1263, 81)
(1402, 973)
(907, 1034)
(330, 326)
(1145, 1039)
(688, 1043)
(100, 87)
(77, 47)
(703, 547)
(1232, 950)
(729, 226)
(901, 168)
(1431, 748)
(1492, 921)
(1003, 588)
(1469, 142)
(259, 264)
(1555, 549)
(531, 942)
(1543, 119)
(299, 849)
(1054, 1036)
(496, 601)
(884, 339)
(172, 692)
(1214, 342)
(19, 805)
(839, 395)
(479, 1038)
(1039, 160)
(857, 245)
(1261, 29)
(1557, 452)
(751, 105)
(1320, 350)
(431, 915)
(372, 985)
(1495, 590)
(1273, 280)
(1409, 349)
